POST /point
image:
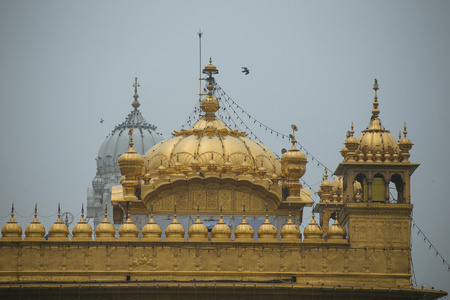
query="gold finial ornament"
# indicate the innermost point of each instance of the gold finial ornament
(135, 103)
(151, 231)
(128, 231)
(105, 231)
(131, 164)
(11, 231)
(293, 166)
(221, 231)
(59, 230)
(35, 231)
(175, 231)
(82, 231)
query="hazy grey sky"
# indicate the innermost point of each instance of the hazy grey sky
(64, 65)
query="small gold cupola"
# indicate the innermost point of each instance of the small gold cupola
(82, 231)
(35, 231)
(198, 231)
(59, 230)
(175, 231)
(405, 145)
(11, 231)
(128, 231)
(221, 231)
(267, 232)
(336, 231)
(313, 232)
(151, 231)
(131, 164)
(244, 232)
(105, 231)
(290, 231)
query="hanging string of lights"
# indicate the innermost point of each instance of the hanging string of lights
(430, 245)
(234, 106)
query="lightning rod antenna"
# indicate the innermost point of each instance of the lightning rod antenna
(200, 33)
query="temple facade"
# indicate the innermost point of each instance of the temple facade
(212, 174)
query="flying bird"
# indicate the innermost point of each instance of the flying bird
(245, 70)
(101, 120)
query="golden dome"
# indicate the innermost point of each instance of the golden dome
(175, 231)
(128, 231)
(376, 144)
(244, 231)
(12, 231)
(336, 231)
(313, 231)
(105, 231)
(198, 230)
(82, 231)
(151, 231)
(209, 142)
(59, 230)
(221, 230)
(290, 231)
(267, 232)
(35, 231)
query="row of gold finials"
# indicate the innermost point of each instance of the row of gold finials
(175, 232)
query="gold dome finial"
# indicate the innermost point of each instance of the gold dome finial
(12, 230)
(130, 133)
(35, 230)
(375, 111)
(313, 231)
(135, 103)
(336, 231)
(294, 129)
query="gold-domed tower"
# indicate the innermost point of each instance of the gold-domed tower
(35, 231)
(11, 231)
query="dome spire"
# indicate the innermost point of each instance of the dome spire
(135, 103)
(210, 104)
(375, 111)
